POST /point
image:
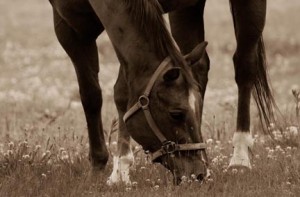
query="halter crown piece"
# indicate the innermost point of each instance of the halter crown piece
(168, 147)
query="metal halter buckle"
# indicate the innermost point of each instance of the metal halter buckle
(144, 101)
(169, 147)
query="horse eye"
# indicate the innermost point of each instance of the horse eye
(177, 115)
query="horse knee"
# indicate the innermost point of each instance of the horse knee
(121, 94)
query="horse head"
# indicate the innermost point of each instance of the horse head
(166, 118)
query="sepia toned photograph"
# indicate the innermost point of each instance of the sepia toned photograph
(149, 98)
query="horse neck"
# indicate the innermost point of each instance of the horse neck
(137, 55)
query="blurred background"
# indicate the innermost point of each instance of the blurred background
(38, 86)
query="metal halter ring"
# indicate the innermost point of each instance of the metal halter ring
(169, 147)
(144, 101)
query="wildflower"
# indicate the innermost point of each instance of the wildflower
(293, 131)
(156, 187)
(272, 126)
(277, 135)
(271, 151)
(134, 183)
(158, 180)
(44, 176)
(184, 178)
(128, 189)
(37, 147)
(11, 145)
(193, 176)
(225, 170)
(209, 141)
(25, 157)
(294, 148)
(278, 148)
(143, 168)
(64, 155)
(270, 154)
(50, 162)
(234, 171)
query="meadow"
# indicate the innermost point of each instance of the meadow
(43, 135)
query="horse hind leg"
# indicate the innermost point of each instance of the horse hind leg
(83, 53)
(124, 156)
(249, 18)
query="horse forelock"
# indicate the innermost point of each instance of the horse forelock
(147, 16)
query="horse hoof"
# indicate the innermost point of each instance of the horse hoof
(239, 163)
(115, 181)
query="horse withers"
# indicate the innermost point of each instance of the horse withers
(156, 92)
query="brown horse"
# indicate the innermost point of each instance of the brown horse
(159, 93)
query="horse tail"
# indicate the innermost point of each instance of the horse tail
(262, 92)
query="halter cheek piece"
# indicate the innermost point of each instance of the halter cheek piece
(168, 147)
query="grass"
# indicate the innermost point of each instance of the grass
(43, 138)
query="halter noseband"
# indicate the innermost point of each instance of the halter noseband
(168, 147)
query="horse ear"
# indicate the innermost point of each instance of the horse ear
(171, 74)
(196, 54)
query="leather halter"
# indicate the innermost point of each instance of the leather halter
(168, 147)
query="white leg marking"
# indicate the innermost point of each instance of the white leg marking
(241, 141)
(192, 101)
(121, 165)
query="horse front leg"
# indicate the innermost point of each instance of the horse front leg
(124, 157)
(187, 27)
(249, 21)
(83, 53)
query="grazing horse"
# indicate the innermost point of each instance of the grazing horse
(159, 92)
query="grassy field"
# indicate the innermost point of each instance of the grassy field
(43, 135)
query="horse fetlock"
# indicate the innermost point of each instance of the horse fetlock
(98, 161)
(121, 166)
(242, 142)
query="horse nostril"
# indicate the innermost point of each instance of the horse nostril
(200, 177)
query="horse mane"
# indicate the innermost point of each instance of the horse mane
(147, 16)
